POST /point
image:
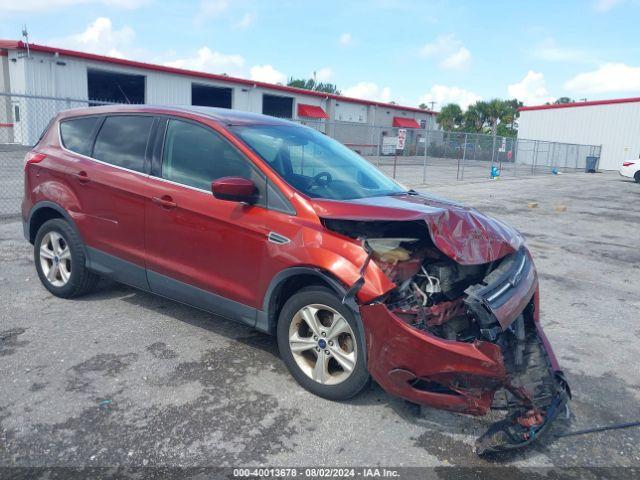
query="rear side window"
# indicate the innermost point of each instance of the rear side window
(122, 141)
(76, 134)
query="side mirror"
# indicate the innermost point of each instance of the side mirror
(234, 189)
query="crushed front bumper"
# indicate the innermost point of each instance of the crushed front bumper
(464, 377)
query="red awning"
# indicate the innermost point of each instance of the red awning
(405, 122)
(311, 111)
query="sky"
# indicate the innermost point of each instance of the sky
(405, 51)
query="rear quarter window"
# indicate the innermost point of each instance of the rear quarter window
(76, 134)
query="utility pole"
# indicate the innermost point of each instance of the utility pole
(433, 104)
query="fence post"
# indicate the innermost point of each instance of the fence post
(446, 142)
(514, 147)
(424, 162)
(493, 150)
(464, 156)
(378, 147)
(476, 142)
(535, 156)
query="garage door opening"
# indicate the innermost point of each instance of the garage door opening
(115, 87)
(208, 96)
(277, 106)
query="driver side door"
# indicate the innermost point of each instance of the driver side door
(201, 250)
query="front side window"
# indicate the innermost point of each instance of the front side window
(194, 155)
(315, 164)
(76, 134)
(122, 141)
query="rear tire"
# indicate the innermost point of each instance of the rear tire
(636, 177)
(319, 343)
(60, 260)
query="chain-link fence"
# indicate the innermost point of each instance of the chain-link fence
(428, 156)
(436, 156)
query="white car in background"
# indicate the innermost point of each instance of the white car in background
(631, 170)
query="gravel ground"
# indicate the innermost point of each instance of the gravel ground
(121, 377)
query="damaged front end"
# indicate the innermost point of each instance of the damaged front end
(461, 335)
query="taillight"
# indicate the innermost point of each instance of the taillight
(627, 164)
(33, 157)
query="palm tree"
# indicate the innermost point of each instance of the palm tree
(450, 116)
(496, 110)
(474, 118)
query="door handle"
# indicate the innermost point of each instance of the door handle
(82, 176)
(165, 202)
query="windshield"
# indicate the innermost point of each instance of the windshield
(315, 164)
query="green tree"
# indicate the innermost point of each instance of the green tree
(496, 110)
(564, 100)
(450, 116)
(496, 117)
(474, 118)
(311, 84)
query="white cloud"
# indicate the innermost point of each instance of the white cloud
(246, 21)
(531, 90)
(606, 5)
(549, 51)
(268, 74)
(442, 94)
(211, 61)
(448, 50)
(43, 5)
(324, 74)
(610, 77)
(100, 37)
(457, 59)
(368, 91)
(212, 8)
(345, 39)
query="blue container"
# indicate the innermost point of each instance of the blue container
(592, 164)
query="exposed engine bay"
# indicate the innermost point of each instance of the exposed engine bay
(479, 321)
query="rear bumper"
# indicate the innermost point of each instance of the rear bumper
(628, 172)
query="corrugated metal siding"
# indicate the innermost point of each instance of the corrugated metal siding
(616, 127)
(66, 77)
(349, 112)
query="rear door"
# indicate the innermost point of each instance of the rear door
(109, 177)
(201, 250)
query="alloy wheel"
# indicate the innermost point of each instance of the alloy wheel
(323, 344)
(55, 259)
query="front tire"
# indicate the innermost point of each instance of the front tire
(319, 343)
(60, 260)
(636, 177)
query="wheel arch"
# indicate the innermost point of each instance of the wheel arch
(287, 282)
(43, 211)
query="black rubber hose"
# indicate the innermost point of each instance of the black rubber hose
(618, 426)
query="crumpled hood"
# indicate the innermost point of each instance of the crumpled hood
(462, 233)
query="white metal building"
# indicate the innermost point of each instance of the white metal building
(64, 74)
(614, 124)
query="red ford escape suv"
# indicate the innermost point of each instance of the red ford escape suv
(286, 230)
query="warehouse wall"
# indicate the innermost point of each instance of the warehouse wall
(614, 126)
(66, 77)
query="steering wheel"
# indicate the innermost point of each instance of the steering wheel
(322, 179)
